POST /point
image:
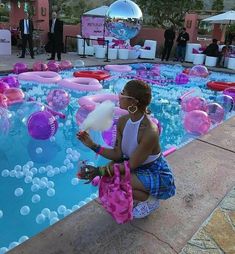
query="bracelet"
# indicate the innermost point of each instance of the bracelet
(96, 148)
(108, 170)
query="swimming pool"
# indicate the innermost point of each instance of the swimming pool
(38, 177)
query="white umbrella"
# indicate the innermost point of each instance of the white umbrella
(223, 18)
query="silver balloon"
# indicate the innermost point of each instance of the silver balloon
(124, 19)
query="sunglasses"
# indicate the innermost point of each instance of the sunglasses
(121, 95)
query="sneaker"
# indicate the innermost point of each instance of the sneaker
(143, 209)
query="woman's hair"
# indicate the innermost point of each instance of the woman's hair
(141, 92)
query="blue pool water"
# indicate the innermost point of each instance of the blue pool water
(38, 181)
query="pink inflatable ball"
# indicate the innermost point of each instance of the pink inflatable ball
(42, 125)
(193, 103)
(58, 99)
(199, 71)
(3, 86)
(53, 66)
(11, 81)
(181, 79)
(19, 68)
(14, 95)
(231, 92)
(3, 101)
(197, 122)
(65, 65)
(226, 102)
(4, 121)
(215, 112)
(40, 66)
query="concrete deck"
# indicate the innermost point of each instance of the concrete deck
(199, 219)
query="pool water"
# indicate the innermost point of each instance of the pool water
(38, 181)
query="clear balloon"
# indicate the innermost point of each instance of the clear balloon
(231, 92)
(58, 99)
(3, 86)
(19, 68)
(226, 102)
(215, 112)
(4, 121)
(181, 79)
(124, 19)
(197, 122)
(14, 95)
(79, 63)
(3, 101)
(53, 66)
(40, 66)
(42, 125)
(199, 71)
(193, 103)
(11, 81)
(65, 65)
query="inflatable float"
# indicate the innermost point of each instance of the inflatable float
(220, 85)
(100, 75)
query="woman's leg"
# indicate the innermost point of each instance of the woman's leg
(139, 192)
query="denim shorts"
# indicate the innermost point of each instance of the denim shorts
(157, 178)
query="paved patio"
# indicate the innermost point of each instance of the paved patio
(199, 219)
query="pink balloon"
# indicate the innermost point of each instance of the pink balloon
(199, 71)
(215, 112)
(3, 101)
(19, 68)
(53, 66)
(3, 86)
(65, 65)
(40, 66)
(197, 122)
(193, 103)
(14, 95)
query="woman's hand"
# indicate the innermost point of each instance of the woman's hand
(88, 172)
(85, 138)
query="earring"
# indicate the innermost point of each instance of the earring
(131, 111)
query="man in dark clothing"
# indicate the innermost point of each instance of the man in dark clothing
(56, 36)
(169, 36)
(212, 49)
(181, 46)
(26, 32)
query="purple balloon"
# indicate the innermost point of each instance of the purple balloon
(215, 112)
(181, 79)
(42, 125)
(11, 81)
(109, 136)
(53, 66)
(3, 86)
(19, 68)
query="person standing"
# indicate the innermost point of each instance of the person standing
(56, 36)
(181, 47)
(169, 36)
(26, 32)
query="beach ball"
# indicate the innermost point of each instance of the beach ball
(53, 66)
(231, 92)
(3, 86)
(199, 71)
(40, 66)
(3, 101)
(19, 68)
(58, 99)
(181, 79)
(193, 103)
(226, 101)
(65, 65)
(197, 122)
(123, 19)
(14, 95)
(42, 125)
(11, 81)
(215, 112)
(4, 121)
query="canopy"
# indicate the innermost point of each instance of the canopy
(100, 11)
(223, 18)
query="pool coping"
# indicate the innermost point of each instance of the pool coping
(201, 185)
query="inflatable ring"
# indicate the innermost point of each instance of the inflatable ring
(40, 76)
(100, 75)
(220, 85)
(118, 68)
(89, 102)
(81, 84)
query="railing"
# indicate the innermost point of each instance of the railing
(84, 45)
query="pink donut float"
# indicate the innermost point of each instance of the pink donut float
(40, 76)
(118, 68)
(81, 84)
(89, 102)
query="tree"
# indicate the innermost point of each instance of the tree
(218, 5)
(162, 13)
(198, 5)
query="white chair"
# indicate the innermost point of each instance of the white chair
(151, 52)
(189, 51)
(133, 53)
(89, 50)
(199, 58)
(100, 52)
(231, 63)
(211, 61)
(112, 53)
(123, 54)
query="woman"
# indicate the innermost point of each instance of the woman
(137, 141)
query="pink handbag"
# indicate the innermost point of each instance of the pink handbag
(115, 194)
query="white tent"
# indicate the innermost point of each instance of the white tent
(100, 11)
(223, 18)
